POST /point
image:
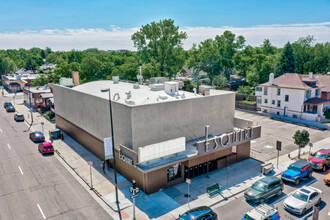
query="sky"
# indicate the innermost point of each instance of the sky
(109, 24)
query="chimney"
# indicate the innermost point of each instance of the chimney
(271, 79)
(310, 75)
(75, 78)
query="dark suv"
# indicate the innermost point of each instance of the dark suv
(264, 189)
(199, 213)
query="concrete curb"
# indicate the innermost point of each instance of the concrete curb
(93, 189)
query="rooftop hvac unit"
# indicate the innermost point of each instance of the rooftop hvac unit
(156, 87)
(163, 97)
(136, 86)
(115, 79)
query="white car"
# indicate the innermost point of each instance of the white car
(302, 199)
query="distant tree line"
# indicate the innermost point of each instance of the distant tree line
(160, 53)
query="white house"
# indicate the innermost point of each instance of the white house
(293, 95)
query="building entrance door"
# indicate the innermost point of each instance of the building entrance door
(285, 111)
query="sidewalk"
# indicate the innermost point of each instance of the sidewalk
(164, 204)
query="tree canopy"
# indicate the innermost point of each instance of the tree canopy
(161, 43)
(301, 138)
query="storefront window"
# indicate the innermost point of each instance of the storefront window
(174, 172)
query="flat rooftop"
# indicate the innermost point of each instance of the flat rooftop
(139, 96)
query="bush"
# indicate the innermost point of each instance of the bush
(327, 114)
(249, 99)
(50, 115)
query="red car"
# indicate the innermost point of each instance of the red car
(46, 148)
(320, 160)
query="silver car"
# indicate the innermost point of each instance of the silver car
(302, 200)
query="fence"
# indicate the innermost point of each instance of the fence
(242, 97)
(246, 106)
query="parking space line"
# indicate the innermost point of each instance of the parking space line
(276, 201)
(20, 170)
(9, 146)
(309, 183)
(42, 213)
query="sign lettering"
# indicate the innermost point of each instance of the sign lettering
(225, 139)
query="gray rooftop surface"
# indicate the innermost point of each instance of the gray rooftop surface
(141, 96)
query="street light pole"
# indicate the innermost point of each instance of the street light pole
(113, 143)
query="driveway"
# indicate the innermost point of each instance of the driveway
(264, 148)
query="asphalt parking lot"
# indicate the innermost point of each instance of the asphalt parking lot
(264, 148)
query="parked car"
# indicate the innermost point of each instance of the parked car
(262, 212)
(263, 189)
(6, 104)
(37, 136)
(327, 179)
(302, 199)
(18, 117)
(297, 171)
(10, 108)
(199, 213)
(320, 160)
(46, 148)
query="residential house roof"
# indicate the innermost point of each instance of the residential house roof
(295, 81)
(324, 80)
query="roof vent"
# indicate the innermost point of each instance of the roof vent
(130, 102)
(115, 79)
(183, 95)
(163, 97)
(136, 86)
(129, 95)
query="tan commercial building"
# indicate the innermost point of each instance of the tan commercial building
(162, 135)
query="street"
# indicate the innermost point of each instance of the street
(235, 209)
(35, 186)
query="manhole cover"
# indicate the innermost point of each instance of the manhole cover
(268, 147)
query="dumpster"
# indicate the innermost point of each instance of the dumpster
(55, 134)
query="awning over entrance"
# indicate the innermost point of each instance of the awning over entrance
(316, 101)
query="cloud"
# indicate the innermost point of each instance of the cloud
(114, 37)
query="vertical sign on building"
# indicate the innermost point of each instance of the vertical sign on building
(108, 148)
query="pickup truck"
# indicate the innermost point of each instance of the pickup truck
(297, 171)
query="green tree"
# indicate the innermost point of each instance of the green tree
(7, 65)
(303, 53)
(219, 81)
(40, 81)
(161, 42)
(287, 61)
(253, 78)
(244, 90)
(301, 138)
(228, 45)
(91, 69)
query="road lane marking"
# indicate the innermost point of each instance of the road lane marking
(9, 146)
(0, 130)
(42, 213)
(20, 170)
